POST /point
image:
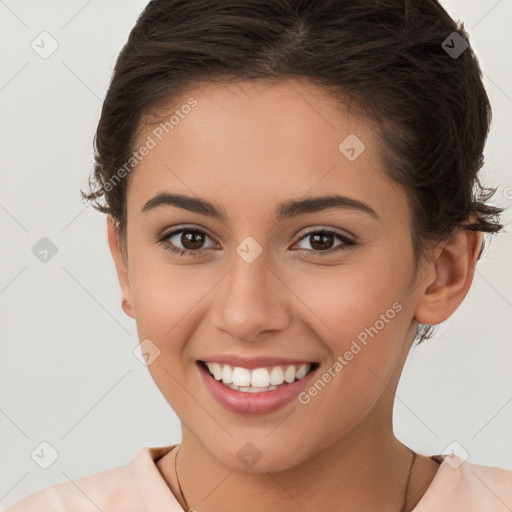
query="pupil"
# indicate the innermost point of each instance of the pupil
(325, 241)
(193, 238)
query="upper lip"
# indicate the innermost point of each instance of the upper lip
(253, 362)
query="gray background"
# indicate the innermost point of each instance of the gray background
(69, 376)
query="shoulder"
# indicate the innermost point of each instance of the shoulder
(111, 490)
(466, 486)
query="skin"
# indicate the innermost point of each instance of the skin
(246, 148)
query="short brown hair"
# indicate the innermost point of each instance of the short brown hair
(389, 57)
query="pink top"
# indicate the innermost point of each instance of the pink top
(139, 487)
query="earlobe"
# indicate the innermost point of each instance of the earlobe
(120, 265)
(127, 307)
(449, 277)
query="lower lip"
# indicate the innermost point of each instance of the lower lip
(253, 403)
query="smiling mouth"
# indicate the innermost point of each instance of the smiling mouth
(257, 380)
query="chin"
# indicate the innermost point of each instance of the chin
(254, 458)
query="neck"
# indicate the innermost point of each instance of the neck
(359, 472)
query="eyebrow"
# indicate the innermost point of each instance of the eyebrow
(285, 210)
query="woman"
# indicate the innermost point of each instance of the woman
(292, 199)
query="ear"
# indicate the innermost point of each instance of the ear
(120, 263)
(449, 278)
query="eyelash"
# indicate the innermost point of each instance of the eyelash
(347, 243)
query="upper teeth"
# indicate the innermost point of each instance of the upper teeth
(259, 377)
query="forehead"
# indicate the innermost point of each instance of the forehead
(255, 143)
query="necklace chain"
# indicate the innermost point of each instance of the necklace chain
(189, 509)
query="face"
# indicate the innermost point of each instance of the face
(330, 283)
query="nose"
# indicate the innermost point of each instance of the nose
(252, 301)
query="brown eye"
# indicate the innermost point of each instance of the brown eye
(322, 242)
(192, 239)
(185, 241)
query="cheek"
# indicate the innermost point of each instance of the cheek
(359, 316)
(168, 301)
(165, 300)
(358, 311)
(351, 298)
